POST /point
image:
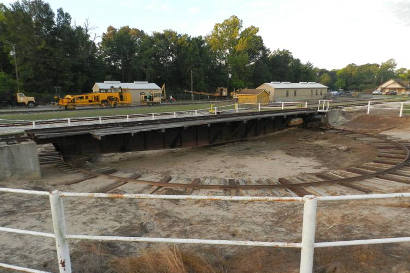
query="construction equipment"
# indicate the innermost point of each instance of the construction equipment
(17, 99)
(150, 97)
(111, 99)
(164, 93)
(219, 92)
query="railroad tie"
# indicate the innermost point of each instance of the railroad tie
(165, 179)
(194, 183)
(78, 180)
(235, 191)
(334, 177)
(395, 177)
(119, 182)
(298, 190)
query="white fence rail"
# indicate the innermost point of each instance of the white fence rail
(307, 245)
(401, 109)
(212, 110)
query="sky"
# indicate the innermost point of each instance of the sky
(328, 33)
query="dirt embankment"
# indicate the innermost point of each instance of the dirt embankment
(376, 124)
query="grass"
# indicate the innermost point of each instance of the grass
(166, 260)
(104, 112)
(103, 257)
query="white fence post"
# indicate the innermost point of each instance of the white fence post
(196, 112)
(308, 234)
(306, 104)
(236, 107)
(259, 107)
(34, 124)
(128, 118)
(68, 121)
(100, 120)
(57, 214)
(175, 114)
(283, 105)
(152, 116)
(401, 109)
(368, 108)
(216, 110)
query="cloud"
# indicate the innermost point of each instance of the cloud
(193, 10)
(401, 10)
(8, 2)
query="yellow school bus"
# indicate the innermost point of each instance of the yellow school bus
(110, 99)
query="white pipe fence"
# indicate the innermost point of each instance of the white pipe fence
(307, 245)
(401, 109)
(213, 110)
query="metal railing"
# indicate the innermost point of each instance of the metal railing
(307, 245)
(212, 110)
(402, 109)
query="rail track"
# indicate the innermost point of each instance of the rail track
(388, 172)
(72, 121)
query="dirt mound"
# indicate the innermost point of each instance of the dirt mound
(373, 123)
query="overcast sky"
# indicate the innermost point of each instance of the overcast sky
(328, 33)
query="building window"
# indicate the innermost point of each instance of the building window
(294, 93)
(287, 93)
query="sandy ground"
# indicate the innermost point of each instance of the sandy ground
(293, 151)
(286, 153)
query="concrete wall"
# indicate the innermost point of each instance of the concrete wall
(19, 161)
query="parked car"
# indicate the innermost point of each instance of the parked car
(391, 92)
(377, 92)
(345, 93)
(334, 93)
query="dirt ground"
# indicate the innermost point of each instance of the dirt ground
(282, 154)
(293, 151)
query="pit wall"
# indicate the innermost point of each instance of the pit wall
(19, 161)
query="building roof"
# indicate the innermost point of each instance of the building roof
(290, 85)
(251, 91)
(142, 85)
(404, 84)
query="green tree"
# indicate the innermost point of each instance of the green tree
(386, 71)
(403, 74)
(325, 79)
(236, 49)
(119, 49)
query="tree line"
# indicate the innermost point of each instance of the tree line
(48, 54)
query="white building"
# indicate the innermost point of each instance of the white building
(290, 91)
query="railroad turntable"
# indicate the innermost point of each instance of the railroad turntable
(385, 169)
(286, 162)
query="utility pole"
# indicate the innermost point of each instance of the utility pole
(192, 88)
(15, 65)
